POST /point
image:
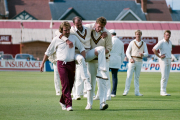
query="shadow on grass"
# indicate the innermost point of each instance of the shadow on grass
(92, 110)
(141, 100)
(162, 98)
(141, 109)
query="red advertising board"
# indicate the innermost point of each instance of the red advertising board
(5, 38)
(147, 40)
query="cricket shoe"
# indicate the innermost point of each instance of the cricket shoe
(138, 94)
(103, 106)
(78, 97)
(88, 107)
(125, 93)
(63, 106)
(165, 94)
(69, 109)
(58, 93)
(112, 95)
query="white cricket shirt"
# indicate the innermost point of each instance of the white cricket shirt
(164, 48)
(117, 53)
(63, 52)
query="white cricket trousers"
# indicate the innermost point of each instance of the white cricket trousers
(165, 66)
(81, 70)
(101, 57)
(57, 83)
(81, 74)
(92, 69)
(90, 55)
(79, 84)
(136, 69)
(108, 84)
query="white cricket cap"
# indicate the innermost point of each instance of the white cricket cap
(112, 31)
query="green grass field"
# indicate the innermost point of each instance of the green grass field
(31, 96)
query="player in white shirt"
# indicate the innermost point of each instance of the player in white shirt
(65, 62)
(136, 50)
(83, 32)
(98, 41)
(165, 48)
(116, 59)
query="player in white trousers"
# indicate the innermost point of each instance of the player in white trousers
(98, 41)
(79, 84)
(165, 48)
(57, 83)
(108, 86)
(79, 88)
(83, 32)
(135, 52)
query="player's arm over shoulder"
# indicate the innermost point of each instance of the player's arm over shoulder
(78, 44)
(63, 38)
(90, 26)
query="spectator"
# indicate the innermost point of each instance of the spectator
(28, 59)
(37, 59)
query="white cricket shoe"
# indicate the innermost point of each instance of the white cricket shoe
(102, 74)
(125, 93)
(63, 106)
(69, 109)
(138, 94)
(58, 93)
(78, 97)
(112, 95)
(103, 106)
(88, 107)
(165, 94)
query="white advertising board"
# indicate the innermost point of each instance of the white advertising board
(155, 67)
(12, 65)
